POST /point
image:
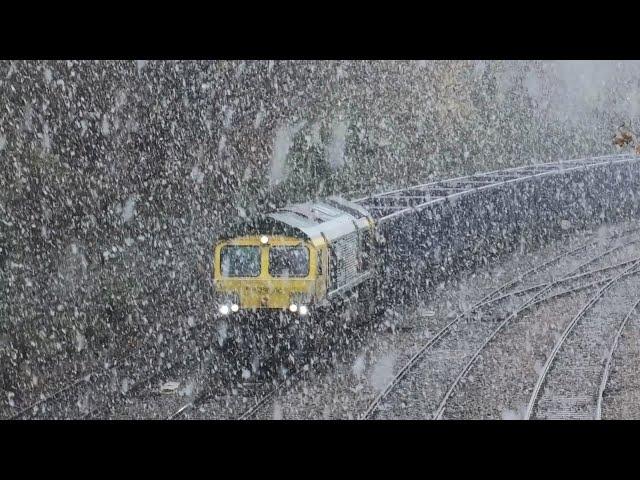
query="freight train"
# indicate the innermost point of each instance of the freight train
(308, 257)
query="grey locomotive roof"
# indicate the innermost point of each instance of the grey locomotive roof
(334, 218)
(292, 219)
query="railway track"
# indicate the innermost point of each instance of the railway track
(106, 408)
(491, 298)
(494, 297)
(609, 360)
(574, 375)
(256, 394)
(545, 295)
(96, 387)
(464, 345)
(260, 402)
(69, 398)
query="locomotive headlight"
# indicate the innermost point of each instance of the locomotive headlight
(300, 300)
(264, 239)
(228, 302)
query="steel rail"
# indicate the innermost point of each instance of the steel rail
(534, 300)
(483, 302)
(607, 368)
(265, 398)
(252, 410)
(447, 328)
(262, 400)
(96, 373)
(550, 360)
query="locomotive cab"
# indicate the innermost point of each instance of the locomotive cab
(268, 272)
(293, 260)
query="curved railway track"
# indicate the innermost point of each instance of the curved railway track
(495, 296)
(485, 332)
(541, 297)
(572, 379)
(248, 413)
(609, 360)
(488, 299)
(67, 400)
(69, 394)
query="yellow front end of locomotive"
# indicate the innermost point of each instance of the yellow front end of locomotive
(262, 272)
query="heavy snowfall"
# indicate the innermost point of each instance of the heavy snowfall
(117, 178)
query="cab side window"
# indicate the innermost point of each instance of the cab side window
(366, 250)
(319, 262)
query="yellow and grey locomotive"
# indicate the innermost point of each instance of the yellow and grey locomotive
(297, 259)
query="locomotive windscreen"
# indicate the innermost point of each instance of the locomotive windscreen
(288, 261)
(240, 261)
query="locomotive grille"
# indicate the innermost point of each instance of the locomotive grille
(346, 258)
